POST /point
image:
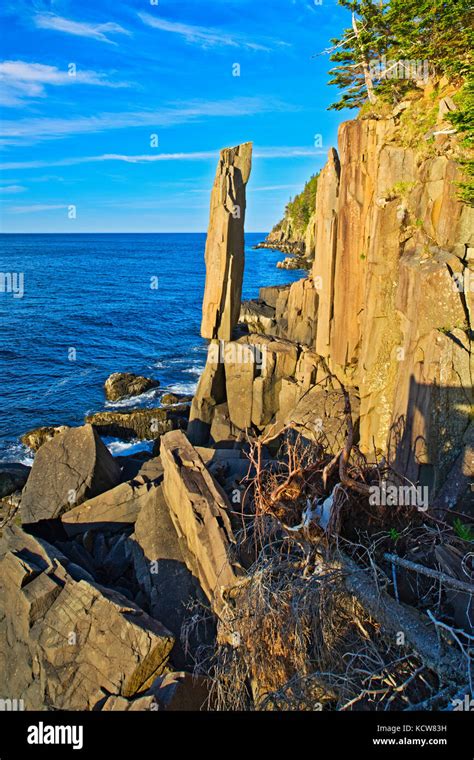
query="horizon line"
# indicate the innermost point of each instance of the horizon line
(125, 232)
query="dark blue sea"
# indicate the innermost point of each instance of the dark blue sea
(99, 303)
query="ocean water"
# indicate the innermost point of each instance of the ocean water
(100, 303)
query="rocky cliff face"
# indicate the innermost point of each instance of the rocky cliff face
(386, 310)
(393, 272)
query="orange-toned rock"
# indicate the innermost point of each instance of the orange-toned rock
(225, 244)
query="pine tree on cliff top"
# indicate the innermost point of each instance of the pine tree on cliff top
(355, 52)
(435, 33)
(392, 44)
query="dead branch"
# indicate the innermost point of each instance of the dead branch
(428, 571)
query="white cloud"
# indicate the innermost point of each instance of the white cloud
(11, 189)
(272, 188)
(205, 36)
(175, 113)
(264, 153)
(21, 80)
(36, 207)
(79, 28)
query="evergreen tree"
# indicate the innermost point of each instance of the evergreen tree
(437, 35)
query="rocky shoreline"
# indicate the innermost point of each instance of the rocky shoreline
(296, 258)
(235, 565)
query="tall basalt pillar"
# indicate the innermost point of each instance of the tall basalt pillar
(225, 244)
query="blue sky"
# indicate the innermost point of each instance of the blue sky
(84, 86)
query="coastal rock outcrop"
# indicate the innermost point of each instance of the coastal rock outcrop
(144, 424)
(295, 233)
(35, 438)
(119, 385)
(224, 253)
(68, 469)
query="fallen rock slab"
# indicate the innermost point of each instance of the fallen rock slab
(200, 513)
(112, 510)
(63, 643)
(259, 317)
(144, 424)
(172, 692)
(119, 385)
(68, 469)
(162, 573)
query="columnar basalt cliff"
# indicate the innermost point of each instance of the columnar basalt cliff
(386, 310)
(216, 552)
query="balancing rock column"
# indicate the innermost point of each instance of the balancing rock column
(225, 244)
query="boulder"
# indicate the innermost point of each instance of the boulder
(271, 293)
(171, 692)
(165, 580)
(172, 399)
(200, 513)
(319, 416)
(259, 317)
(144, 424)
(13, 477)
(66, 643)
(222, 428)
(210, 392)
(35, 438)
(224, 253)
(112, 510)
(68, 469)
(122, 384)
(240, 371)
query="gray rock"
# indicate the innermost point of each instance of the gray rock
(225, 244)
(144, 424)
(122, 384)
(110, 511)
(64, 644)
(13, 476)
(68, 469)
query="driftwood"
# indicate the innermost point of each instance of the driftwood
(396, 617)
(449, 580)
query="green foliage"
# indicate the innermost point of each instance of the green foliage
(463, 120)
(437, 34)
(400, 190)
(390, 46)
(394, 534)
(462, 530)
(350, 52)
(302, 206)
